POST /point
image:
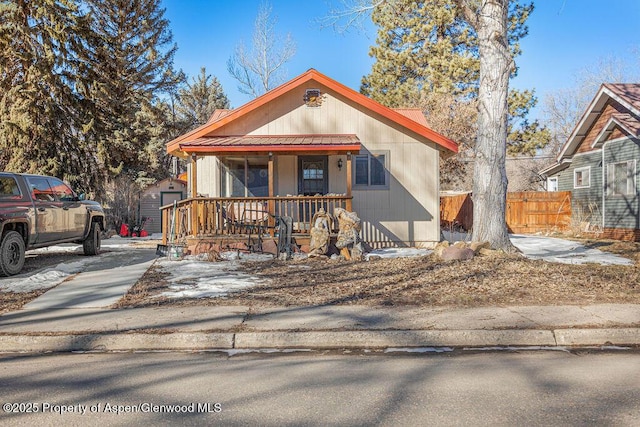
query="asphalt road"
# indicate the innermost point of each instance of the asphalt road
(531, 388)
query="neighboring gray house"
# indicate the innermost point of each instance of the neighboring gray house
(604, 144)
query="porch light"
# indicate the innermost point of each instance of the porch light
(340, 164)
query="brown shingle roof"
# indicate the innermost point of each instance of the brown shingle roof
(630, 92)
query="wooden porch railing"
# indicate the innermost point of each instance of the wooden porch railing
(222, 215)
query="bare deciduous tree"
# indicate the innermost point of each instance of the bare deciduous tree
(563, 108)
(260, 68)
(489, 19)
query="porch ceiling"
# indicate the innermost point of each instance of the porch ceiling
(277, 144)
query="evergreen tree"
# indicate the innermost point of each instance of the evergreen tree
(42, 116)
(197, 100)
(128, 63)
(426, 50)
(420, 48)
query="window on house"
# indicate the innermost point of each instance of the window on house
(371, 170)
(582, 177)
(245, 177)
(552, 184)
(621, 178)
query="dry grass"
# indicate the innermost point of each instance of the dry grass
(499, 279)
(484, 281)
(11, 301)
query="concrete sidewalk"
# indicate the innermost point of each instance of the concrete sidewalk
(74, 316)
(239, 328)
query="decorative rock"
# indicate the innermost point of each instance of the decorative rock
(453, 253)
(270, 246)
(476, 246)
(487, 252)
(440, 247)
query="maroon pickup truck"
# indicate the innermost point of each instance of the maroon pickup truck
(38, 211)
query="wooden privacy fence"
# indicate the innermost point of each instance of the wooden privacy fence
(527, 211)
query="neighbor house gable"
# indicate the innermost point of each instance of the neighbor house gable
(611, 101)
(404, 119)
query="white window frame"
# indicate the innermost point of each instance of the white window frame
(631, 178)
(550, 180)
(575, 177)
(369, 156)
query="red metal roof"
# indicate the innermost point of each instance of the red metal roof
(273, 143)
(414, 114)
(218, 114)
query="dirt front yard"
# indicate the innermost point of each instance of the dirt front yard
(498, 279)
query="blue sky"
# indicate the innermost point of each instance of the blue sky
(565, 36)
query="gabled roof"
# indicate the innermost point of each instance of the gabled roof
(223, 118)
(627, 94)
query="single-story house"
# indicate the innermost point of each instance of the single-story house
(599, 163)
(161, 193)
(314, 143)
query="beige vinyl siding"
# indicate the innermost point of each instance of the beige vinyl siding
(407, 212)
(208, 171)
(286, 175)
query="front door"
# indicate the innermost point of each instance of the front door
(313, 175)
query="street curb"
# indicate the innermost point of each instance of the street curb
(114, 342)
(382, 339)
(362, 339)
(574, 337)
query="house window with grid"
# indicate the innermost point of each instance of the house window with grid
(582, 177)
(621, 178)
(371, 170)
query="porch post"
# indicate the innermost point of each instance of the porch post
(349, 184)
(271, 203)
(194, 176)
(194, 194)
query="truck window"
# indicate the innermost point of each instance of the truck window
(61, 191)
(40, 189)
(9, 188)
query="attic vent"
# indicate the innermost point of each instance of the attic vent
(312, 97)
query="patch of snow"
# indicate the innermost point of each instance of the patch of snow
(552, 249)
(456, 236)
(45, 279)
(53, 276)
(398, 253)
(194, 278)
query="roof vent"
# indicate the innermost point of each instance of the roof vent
(313, 97)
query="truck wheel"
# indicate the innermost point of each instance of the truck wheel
(91, 244)
(11, 253)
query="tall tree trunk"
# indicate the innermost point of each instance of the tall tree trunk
(490, 177)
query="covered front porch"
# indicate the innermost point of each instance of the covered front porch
(244, 185)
